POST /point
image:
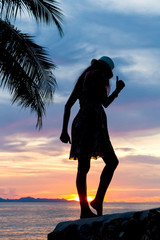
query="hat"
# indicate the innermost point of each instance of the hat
(105, 60)
(108, 61)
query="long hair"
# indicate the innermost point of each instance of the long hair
(95, 65)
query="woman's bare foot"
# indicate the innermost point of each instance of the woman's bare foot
(87, 213)
(97, 207)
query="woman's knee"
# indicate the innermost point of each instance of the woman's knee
(115, 163)
(112, 163)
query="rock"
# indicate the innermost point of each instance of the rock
(141, 225)
(124, 223)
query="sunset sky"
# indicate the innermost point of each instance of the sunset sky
(35, 163)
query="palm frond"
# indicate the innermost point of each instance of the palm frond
(25, 70)
(42, 10)
(10, 8)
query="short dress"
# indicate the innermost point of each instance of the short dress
(89, 132)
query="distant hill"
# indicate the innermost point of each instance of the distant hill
(31, 199)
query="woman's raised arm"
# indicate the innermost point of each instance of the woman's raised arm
(107, 100)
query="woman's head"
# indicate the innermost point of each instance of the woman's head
(104, 64)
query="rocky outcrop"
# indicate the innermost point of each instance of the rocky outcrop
(141, 225)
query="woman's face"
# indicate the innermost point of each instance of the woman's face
(109, 74)
(107, 71)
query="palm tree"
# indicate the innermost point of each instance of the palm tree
(25, 68)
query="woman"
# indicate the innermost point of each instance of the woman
(90, 138)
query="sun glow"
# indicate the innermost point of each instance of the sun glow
(76, 198)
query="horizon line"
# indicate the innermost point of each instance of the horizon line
(62, 200)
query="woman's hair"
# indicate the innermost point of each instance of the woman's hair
(95, 65)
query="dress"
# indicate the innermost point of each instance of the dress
(89, 133)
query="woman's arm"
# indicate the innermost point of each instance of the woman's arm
(108, 100)
(65, 138)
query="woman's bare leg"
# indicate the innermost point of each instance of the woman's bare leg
(83, 168)
(105, 179)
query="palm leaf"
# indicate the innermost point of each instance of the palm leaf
(25, 70)
(42, 10)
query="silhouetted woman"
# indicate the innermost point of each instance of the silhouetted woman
(90, 138)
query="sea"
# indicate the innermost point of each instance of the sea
(34, 221)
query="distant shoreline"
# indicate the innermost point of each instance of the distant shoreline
(63, 200)
(31, 199)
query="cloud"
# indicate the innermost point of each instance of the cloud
(143, 66)
(5, 97)
(133, 116)
(129, 7)
(8, 192)
(125, 149)
(125, 7)
(142, 159)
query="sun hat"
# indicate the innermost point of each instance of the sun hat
(106, 60)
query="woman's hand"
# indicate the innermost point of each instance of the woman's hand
(119, 84)
(65, 138)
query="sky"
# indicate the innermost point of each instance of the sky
(35, 163)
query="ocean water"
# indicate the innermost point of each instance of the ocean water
(34, 221)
